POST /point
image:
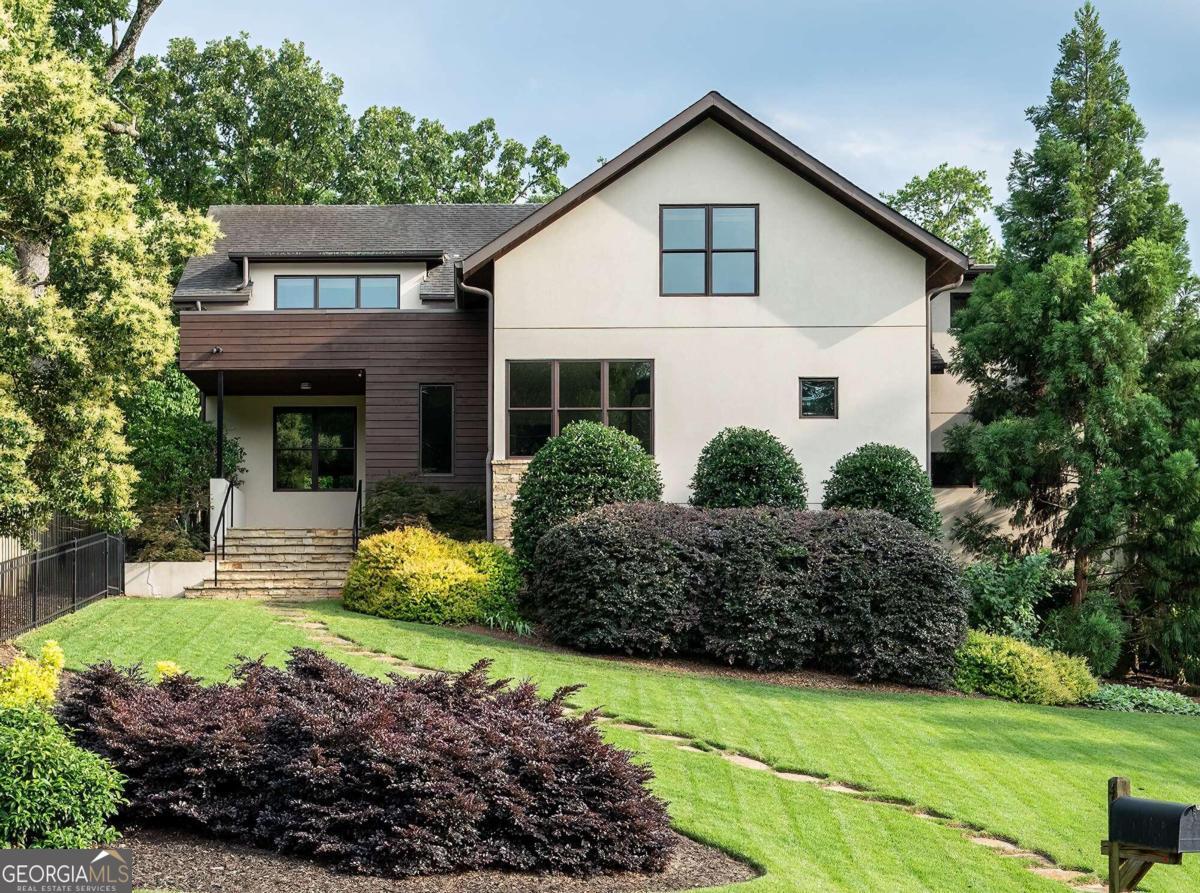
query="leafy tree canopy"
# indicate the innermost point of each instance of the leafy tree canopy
(947, 201)
(231, 122)
(1074, 430)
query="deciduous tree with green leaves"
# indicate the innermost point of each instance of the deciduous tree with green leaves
(84, 307)
(1073, 427)
(947, 201)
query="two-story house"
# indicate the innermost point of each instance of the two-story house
(712, 274)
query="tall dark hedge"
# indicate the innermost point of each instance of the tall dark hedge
(859, 592)
(437, 774)
(587, 465)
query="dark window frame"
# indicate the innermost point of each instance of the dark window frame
(555, 408)
(708, 251)
(316, 290)
(314, 449)
(837, 402)
(421, 428)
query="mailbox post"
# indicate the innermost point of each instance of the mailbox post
(1144, 833)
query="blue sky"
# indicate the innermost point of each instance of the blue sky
(877, 89)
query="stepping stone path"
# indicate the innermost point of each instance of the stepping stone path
(1079, 881)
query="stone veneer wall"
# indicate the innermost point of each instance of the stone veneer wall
(506, 477)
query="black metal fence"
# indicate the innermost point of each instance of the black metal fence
(45, 584)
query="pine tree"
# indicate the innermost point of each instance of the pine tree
(1067, 432)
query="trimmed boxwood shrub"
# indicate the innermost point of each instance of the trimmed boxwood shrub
(1017, 671)
(743, 467)
(889, 478)
(587, 465)
(397, 502)
(53, 794)
(404, 777)
(1094, 631)
(417, 575)
(1129, 699)
(858, 592)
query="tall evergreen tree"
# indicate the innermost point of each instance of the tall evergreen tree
(1069, 431)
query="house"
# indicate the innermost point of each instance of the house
(712, 274)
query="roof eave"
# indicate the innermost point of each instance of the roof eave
(716, 107)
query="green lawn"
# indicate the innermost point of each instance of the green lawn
(1035, 775)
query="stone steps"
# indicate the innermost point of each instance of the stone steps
(276, 563)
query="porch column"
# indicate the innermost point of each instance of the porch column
(220, 425)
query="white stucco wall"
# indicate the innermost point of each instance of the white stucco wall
(838, 298)
(250, 420)
(262, 275)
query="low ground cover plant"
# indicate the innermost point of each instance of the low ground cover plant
(411, 776)
(889, 478)
(747, 467)
(421, 576)
(1130, 699)
(858, 592)
(397, 502)
(1008, 668)
(585, 466)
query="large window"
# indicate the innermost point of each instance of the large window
(818, 398)
(544, 396)
(708, 249)
(314, 448)
(337, 292)
(437, 429)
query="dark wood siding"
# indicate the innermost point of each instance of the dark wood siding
(397, 350)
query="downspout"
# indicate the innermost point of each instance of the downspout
(245, 274)
(929, 296)
(491, 395)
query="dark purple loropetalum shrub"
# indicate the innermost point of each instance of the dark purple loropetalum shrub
(860, 592)
(411, 776)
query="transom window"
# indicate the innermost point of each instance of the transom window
(314, 448)
(437, 428)
(337, 292)
(708, 249)
(544, 396)
(818, 398)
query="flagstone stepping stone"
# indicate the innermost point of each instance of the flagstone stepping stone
(746, 762)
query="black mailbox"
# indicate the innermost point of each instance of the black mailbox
(1154, 825)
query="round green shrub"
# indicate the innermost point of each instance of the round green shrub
(743, 467)
(587, 465)
(1017, 671)
(1094, 631)
(53, 794)
(414, 574)
(858, 592)
(889, 478)
(1004, 591)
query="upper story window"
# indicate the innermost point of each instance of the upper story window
(544, 396)
(337, 292)
(958, 302)
(708, 249)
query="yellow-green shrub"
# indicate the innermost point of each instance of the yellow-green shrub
(27, 682)
(1017, 671)
(414, 574)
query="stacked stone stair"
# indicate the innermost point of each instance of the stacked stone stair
(285, 564)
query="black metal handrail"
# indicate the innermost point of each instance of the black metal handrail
(358, 508)
(43, 585)
(220, 532)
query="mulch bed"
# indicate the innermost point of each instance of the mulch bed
(171, 860)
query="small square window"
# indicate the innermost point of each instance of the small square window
(818, 398)
(708, 249)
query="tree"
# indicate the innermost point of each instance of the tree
(1069, 431)
(947, 201)
(237, 123)
(393, 158)
(84, 316)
